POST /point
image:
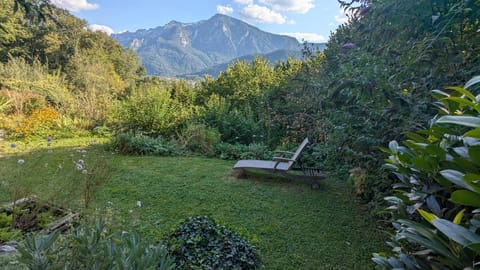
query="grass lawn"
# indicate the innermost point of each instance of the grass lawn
(293, 227)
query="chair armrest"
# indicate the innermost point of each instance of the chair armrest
(282, 159)
(284, 152)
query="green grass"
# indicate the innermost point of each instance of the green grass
(293, 227)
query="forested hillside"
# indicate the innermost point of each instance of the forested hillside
(372, 85)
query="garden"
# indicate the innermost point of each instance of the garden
(103, 167)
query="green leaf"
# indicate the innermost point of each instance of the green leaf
(468, 121)
(458, 217)
(463, 91)
(393, 146)
(465, 197)
(474, 154)
(427, 216)
(472, 81)
(456, 232)
(415, 137)
(462, 101)
(457, 178)
(474, 133)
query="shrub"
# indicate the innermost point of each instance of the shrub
(240, 151)
(130, 144)
(93, 245)
(200, 243)
(199, 138)
(435, 207)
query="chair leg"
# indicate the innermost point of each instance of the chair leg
(239, 173)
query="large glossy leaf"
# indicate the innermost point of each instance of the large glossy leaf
(474, 154)
(462, 101)
(463, 92)
(456, 232)
(457, 178)
(468, 121)
(472, 81)
(474, 133)
(465, 197)
(458, 217)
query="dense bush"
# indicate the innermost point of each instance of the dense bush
(93, 245)
(436, 201)
(240, 151)
(201, 243)
(199, 138)
(131, 144)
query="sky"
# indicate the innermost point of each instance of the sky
(309, 20)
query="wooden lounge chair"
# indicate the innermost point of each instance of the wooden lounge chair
(281, 164)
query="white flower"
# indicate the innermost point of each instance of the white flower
(80, 161)
(139, 203)
(50, 151)
(84, 171)
(130, 211)
(21, 161)
(60, 166)
(79, 166)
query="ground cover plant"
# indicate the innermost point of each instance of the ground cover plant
(291, 226)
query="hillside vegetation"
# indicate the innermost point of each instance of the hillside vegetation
(370, 88)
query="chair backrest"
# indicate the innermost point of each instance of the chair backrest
(300, 149)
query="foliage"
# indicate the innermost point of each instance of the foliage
(200, 242)
(128, 143)
(93, 245)
(199, 138)
(240, 151)
(156, 110)
(437, 198)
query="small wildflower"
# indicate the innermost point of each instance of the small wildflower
(21, 161)
(81, 161)
(83, 151)
(79, 166)
(49, 151)
(84, 171)
(13, 145)
(130, 211)
(139, 203)
(60, 166)
(110, 203)
(49, 139)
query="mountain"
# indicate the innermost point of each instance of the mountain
(187, 48)
(273, 57)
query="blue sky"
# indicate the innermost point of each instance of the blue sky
(310, 20)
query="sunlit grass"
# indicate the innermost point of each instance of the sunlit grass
(293, 226)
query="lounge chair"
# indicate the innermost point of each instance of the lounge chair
(281, 164)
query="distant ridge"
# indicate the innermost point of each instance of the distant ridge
(188, 48)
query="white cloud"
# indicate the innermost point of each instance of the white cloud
(74, 5)
(101, 28)
(341, 18)
(297, 6)
(262, 14)
(244, 2)
(224, 9)
(309, 37)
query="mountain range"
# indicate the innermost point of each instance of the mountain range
(204, 47)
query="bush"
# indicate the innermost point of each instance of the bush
(199, 138)
(240, 151)
(94, 245)
(435, 207)
(200, 243)
(130, 144)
